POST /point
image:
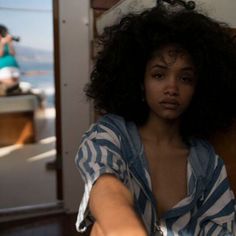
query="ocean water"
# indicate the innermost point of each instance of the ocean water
(40, 75)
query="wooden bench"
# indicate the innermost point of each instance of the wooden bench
(17, 119)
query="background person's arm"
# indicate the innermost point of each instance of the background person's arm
(10, 45)
(111, 204)
(7, 40)
(2, 44)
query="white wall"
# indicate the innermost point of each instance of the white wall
(222, 10)
(74, 66)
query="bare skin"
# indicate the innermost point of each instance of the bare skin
(169, 86)
(111, 204)
(6, 40)
(167, 161)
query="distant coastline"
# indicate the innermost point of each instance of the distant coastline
(34, 73)
(33, 55)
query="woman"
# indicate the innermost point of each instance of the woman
(9, 68)
(164, 83)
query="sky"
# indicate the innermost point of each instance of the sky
(31, 20)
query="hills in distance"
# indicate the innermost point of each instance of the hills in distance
(28, 54)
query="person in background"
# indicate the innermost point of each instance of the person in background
(9, 68)
(163, 83)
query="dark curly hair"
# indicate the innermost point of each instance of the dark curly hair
(118, 73)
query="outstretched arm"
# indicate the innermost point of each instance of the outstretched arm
(111, 204)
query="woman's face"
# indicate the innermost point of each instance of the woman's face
(169, 83)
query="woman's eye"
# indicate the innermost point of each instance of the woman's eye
(158, 75)
(187, 79)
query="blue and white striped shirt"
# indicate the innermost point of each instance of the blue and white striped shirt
(113, 146)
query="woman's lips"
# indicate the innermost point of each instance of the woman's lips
(170, 104)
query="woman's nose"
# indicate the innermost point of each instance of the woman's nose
(172, 88)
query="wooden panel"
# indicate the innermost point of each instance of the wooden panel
(53, 225)
(16, 128)
(103, 4)
(225, 145)
(233, 33)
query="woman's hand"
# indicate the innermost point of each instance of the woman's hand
(7, 39)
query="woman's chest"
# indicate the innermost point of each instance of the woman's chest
(168, 173)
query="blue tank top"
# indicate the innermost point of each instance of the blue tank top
(7, 60)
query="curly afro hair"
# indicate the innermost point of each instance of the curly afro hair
(118, 74)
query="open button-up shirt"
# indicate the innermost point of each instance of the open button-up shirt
(113, 146)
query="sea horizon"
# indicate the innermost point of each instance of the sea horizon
(39, 75)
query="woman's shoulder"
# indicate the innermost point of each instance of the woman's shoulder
(108, 125)
(111, 118)
(113, 123)
(116, 129)
(203, 157)
(202, 146)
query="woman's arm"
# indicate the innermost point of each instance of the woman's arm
(7, 40)
(11, 49)
(2, 44)
(10, 45)
(111, 204)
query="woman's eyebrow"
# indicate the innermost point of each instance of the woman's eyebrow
(159, 66)
(188, 68)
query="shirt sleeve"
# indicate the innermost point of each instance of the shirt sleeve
(217, 213)
(99, 153)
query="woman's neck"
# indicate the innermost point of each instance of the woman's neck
(161, 131)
